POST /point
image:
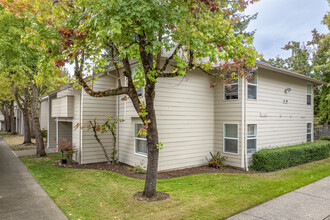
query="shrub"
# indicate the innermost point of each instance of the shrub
(325, 138)
(216, 160)
(67, 148)
(44, 133)
(140, 168)
(283, 157)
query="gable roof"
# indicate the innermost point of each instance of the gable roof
(269, 66)
(259, 63)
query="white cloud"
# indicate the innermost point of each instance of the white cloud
(281, 21)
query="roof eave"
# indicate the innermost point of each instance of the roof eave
(291, 73)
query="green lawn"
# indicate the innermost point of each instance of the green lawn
(94, 194)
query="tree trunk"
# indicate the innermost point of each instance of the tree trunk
(27, 130)
(5, 116)
(32, 127)
(23, 105)
(8, 122)
(36, 123)
(152, 141)
(12, 119)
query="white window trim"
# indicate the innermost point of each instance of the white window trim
(253, 84)
(223, 138)
(137, 138)
(224, 90)
(311, 133)
(309, 94)
(247, 138)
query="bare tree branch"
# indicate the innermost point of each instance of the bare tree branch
(113, 47)
(167, 61)
(159, 55)
(168, 75)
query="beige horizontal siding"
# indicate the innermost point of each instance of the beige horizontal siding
(63, 107)
(66, 92)
(75, 120)
(52, 126)
(279, 124)
(185, 119)
(44, 111)
(228, 111)
(100, 109)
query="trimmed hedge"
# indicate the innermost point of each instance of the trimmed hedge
(325, 138)
(283, 157)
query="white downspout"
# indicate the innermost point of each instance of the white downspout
(245, 131)
(56, 134)
(48, 115)
(118, 109)
(242, 125)
(81, 124)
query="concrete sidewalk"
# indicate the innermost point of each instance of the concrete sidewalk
(21, 197)
(309, 202)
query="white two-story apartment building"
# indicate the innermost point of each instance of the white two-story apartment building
(273, 109)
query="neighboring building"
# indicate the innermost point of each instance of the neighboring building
(18, 117)
(275, 108)
(2, 122)
(19, 120)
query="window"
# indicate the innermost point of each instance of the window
(251, 138)
(140, 89)
(230, 138)
(252, 86)
(309, 131)
(140, 141)
(309, 94)
(231, 89)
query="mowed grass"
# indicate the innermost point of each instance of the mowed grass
(15, 142)
(95, 194)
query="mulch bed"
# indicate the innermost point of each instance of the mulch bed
(127, 170)
(158, 197)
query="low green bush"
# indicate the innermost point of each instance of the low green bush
(216, 160)
(283, 157)
(44, 133)
(325, 138)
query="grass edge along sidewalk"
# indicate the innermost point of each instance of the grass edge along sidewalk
(95, 194)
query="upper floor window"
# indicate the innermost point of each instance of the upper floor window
(309, 94)
(231, 89)
(252, 85)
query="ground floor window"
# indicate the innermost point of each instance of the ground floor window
(309, 131)
(140, 141)
(230, 138)
(251, 138)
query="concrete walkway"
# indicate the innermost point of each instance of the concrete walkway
(21, 197)
(309, 202)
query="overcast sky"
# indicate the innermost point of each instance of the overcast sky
(281, 21)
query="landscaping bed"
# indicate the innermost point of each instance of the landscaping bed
(127, 170)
